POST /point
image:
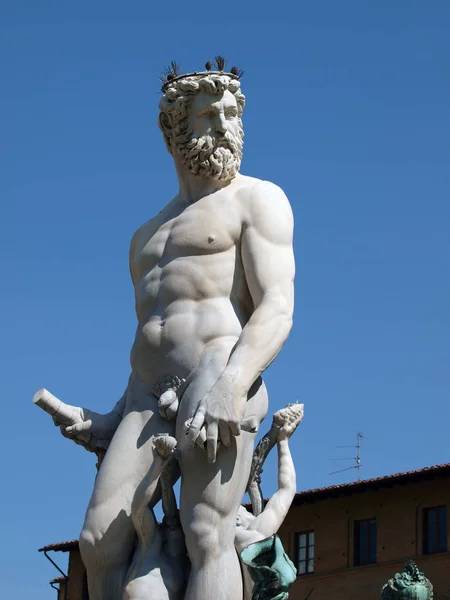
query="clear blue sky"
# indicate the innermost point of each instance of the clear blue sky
(348, 111)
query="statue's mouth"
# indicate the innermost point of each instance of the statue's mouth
(223, 143)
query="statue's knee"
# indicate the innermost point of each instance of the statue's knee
(104, 540)
(95, 548)
(88, 545)
(203, 540)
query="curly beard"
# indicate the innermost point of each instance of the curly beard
(212, 158)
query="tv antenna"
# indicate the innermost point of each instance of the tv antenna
(356, 458)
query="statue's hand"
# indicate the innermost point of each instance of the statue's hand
(92, 430)
(220, 413)
(287, 420)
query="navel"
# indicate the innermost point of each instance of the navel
(211, 237)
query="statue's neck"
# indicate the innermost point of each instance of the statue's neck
(192, 187)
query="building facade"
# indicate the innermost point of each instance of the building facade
(72, 583)
(347, 541)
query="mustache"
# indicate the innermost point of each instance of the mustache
(226, 140)
(207, 144)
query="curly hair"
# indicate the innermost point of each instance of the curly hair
(178, 96)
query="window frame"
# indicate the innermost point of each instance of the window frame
(425, 530)
(357, 558)
(307, 547)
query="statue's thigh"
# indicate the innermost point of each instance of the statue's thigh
(215, 490)
(127, 461)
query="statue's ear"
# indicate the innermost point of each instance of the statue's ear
(165, 124)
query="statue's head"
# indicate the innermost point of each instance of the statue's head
(244, 518)
(201, 120)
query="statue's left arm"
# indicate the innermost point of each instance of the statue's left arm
(268, 262)
(272, 517)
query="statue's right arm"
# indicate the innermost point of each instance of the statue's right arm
(94, 430)
(119, 408)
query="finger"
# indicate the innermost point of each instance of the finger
(63, 431)
(235, 428)
(79, 427)
(195, 426)
(211, 442)
(201, 439)
(86, 442)
(90, 442)
(82, 438)
(224, 432)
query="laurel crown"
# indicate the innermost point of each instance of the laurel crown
(173, 72)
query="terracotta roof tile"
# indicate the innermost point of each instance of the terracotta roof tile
(58, 580)
(377, 482)
(61, 546)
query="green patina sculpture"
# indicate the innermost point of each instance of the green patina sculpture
(410, 584)
(270, 568)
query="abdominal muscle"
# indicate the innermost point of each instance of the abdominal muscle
(184, 337)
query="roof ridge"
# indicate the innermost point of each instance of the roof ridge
(374, 480)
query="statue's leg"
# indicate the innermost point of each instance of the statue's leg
(108, 536)
(210, 498)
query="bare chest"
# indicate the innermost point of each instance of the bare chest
(205, 228)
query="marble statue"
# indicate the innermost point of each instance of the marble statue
(213, 278)
(410, 584)
(160, 564)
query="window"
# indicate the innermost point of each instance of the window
(365, 549)
(304, 551)
(435, 530)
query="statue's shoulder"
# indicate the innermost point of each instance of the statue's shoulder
(256, 183)
(147, 229)
(265, 200)
(260, 189)
(138, 234)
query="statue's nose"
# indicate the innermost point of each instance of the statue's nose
(221, 125)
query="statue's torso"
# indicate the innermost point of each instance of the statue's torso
(191, 294)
